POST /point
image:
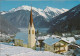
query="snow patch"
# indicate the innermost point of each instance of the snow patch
(7, 50)
(3, 13)
(63, 18)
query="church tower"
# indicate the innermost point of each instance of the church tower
(31, 33)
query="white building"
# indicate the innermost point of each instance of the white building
(22, 39)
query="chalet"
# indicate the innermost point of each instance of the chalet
(40, 39)
(55, 45)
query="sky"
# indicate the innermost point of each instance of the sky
(7, 5)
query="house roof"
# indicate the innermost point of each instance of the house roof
(77, 35)
(51, 41)
(68, 39)
(78, 42)
(22, 36)
(42, 37)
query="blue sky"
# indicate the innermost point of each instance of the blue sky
(7, 5)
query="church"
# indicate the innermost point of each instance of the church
(27, 40)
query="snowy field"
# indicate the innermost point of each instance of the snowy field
(7, 50)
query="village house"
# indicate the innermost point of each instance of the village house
(40, 39)
(56, 45)
(4, 37)
(21, 38)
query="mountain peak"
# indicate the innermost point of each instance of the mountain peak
(48, 9)
(56, 10)
(23, 7)
(40, 12)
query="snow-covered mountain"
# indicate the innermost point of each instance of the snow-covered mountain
(53, 12)
(20, 16)
(46, 13)
(67, 22)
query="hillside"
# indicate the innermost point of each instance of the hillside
(7, 27)
(66, 22)
(20, 16)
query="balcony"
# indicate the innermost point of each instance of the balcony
(60, 51)
(59, 46)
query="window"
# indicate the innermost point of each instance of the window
(29, 31)
(32, 31)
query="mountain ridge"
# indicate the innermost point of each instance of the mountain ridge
(20, 16)
(67, 22)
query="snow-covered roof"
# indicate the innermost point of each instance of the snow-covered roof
(68, 39)
(4, 37)
(77, 35)
(54, 36)
(78, 42)
(48, 35)
(22, 36)
(66, 34)
(42, 37)
(51, 41)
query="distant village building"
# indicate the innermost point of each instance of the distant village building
(55, 45)
(4, 37)
(77, 36)
(21, 38)
(69, 39)
(66, 34)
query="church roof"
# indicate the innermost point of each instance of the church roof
(22, 36)
(31, 18)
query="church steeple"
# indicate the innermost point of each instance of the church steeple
(31, 33)
(31, 18)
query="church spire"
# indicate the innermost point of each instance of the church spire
(31, 18)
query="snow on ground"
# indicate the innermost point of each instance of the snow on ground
(38, 53)
(7, 50)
